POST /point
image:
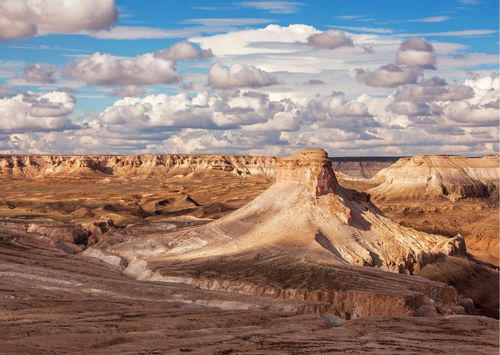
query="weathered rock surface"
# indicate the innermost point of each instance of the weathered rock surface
(100, 166)
(54, 303)
(140, 166)
(304, 238)
(438, 176)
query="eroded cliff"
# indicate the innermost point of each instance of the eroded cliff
(438, 176)
(40, 166)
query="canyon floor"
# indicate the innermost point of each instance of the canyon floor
(54, 299)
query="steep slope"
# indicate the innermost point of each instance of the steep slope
(298, 240)
(438, 176)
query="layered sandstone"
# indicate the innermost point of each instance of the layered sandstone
(101, 166)
(40, 166)
(438, 176)
(305, 238)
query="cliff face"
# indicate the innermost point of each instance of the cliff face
(310, 168)
(437, 176)
(361, 168)
(98, 166)
(40, 166)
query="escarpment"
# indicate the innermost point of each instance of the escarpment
(101, 166)
(307, 238)
(41, 166)
(438, 176)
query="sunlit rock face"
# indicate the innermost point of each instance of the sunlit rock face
(438, 176)
(311, 168)
(40, 166)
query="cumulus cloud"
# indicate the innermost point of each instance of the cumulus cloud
(435, 89)
(40, 73)
(472, 115)
(106, 69)
(390, 75)
(409, 108)
(416, 52)
(182, 51)
(29, 112)
(238, 76)
(204, 110)
(336, 111)
(243, 42)
(201, 141)
(441, 108)
(128, 90)
(486, 88)
(330, 39)
(26, 18)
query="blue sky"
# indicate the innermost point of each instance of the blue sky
(462, 34)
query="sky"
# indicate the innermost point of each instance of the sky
(355, 77)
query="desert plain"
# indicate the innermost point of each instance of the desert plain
(247, 254)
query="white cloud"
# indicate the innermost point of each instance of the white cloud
(128, 91)
(182, 51)
(410, 108)
(30, 112)
(486, 88)
(246, 122)
(243, 42)
(140, 32)
(232, 21)
(379, 30)
(434, 89)
(204, 110)
(330, 39)
(238, 76)
(106, 69)
(460, 33)
(389, 75)
(416, 52)
(472, 115)
(26, 18)
(432, 19)
(274, 7)
(40, 73)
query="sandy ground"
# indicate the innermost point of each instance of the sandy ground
(210, 194)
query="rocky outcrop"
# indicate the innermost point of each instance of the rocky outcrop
(304, 237)
(438, 176)
(40, 166)
(361, 168)
(101, 166)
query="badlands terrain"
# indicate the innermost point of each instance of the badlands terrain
(239, 254)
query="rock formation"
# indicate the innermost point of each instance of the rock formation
(39, 166)
(305, 238)
(99, 166)
(438, 176)
(361, 168)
